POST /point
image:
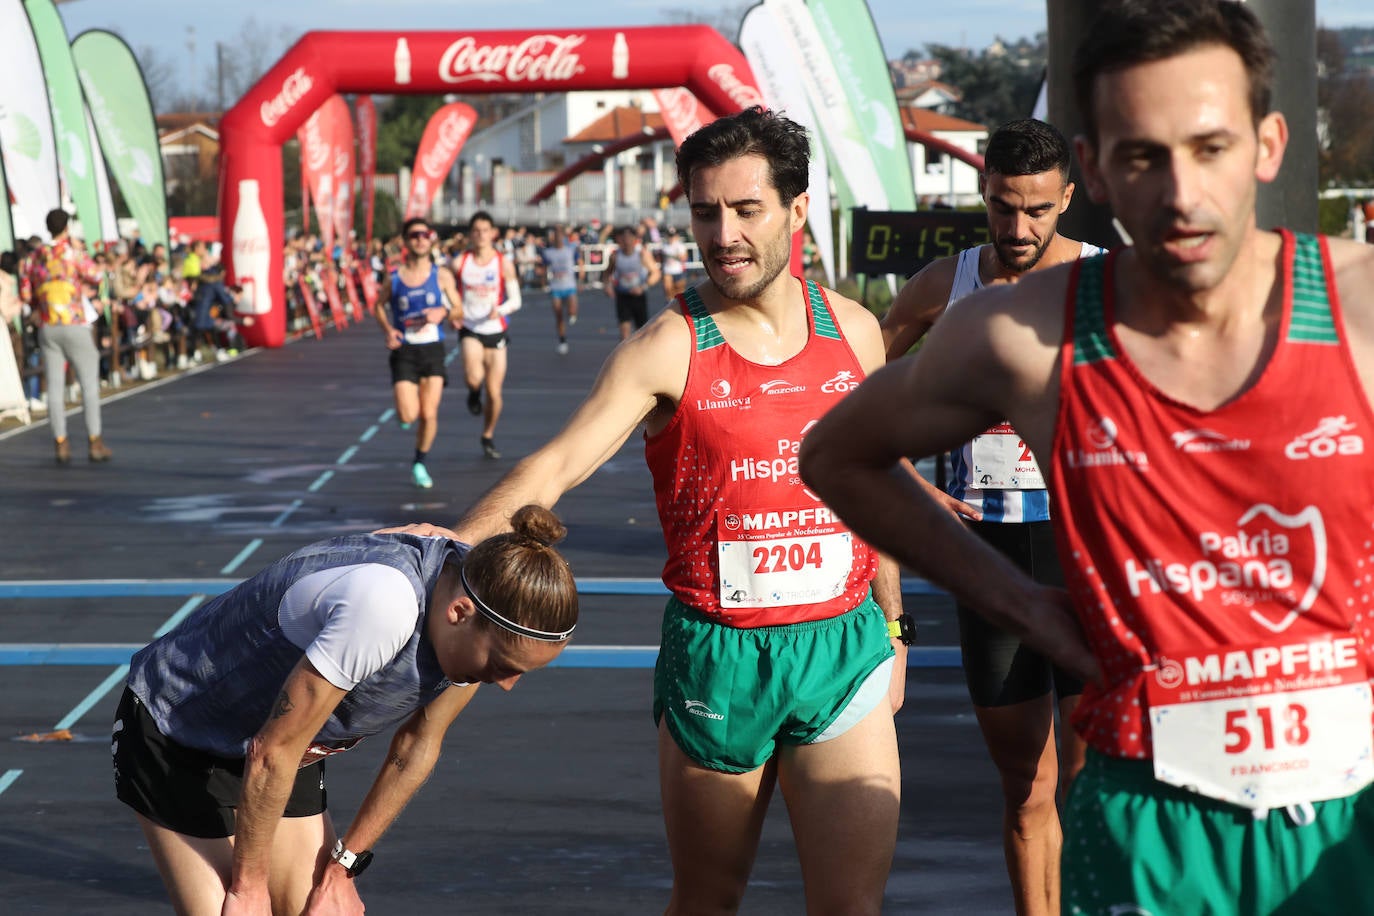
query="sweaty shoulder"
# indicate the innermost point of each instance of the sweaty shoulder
(655, 358)
(860, 328)
(920, 301)
(1021, 324)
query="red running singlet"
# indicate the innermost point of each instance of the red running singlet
(1188, 533)
(748, 545)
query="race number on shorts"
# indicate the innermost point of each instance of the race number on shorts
(1264, 725)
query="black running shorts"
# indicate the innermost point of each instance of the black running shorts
(185, 790)
(999, 670)
(412, 362)
(633, 308)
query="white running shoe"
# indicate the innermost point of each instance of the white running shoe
(572, 320)
(563, 348)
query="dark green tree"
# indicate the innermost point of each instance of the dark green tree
(1345, 99)
(997, 86)
(400, 124)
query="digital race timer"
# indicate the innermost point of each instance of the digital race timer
(902, 242)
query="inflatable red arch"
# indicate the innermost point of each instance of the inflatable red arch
(430, 62)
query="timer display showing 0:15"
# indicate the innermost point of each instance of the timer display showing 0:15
(902, 242)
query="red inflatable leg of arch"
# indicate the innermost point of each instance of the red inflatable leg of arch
(434, 63)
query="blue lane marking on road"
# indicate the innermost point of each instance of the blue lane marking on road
(295, 504)
(116, 678)
(8, 778)
(115, 588)
(244, 554)
(142, 588)
(191, 604)
(369, 433)
(321, 481)
(387, 415)
(348, 453)
(94, 654)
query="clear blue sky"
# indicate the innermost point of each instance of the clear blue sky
(903, 24)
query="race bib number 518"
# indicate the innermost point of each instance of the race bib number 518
(1264, 726)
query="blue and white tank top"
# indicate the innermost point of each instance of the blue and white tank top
(408, 304)
(995, 472)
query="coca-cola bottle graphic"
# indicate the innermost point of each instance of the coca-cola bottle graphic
(620, 57)
(402, 62)
(252, 256)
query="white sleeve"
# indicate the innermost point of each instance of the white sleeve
(512, 303)
(351, 620)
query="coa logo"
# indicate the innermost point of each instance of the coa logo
(843, 381)
(1331, 437)
(732, 522)
(720, 388)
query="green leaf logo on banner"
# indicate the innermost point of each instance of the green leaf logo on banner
(27, 141)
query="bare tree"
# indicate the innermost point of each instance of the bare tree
(725, 20)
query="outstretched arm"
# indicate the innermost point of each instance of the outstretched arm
(638, 376)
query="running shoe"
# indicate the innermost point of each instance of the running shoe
(562, 348)
(405, 425)
(474, 401)
(572, 319)
(420, 476)
(489, 448)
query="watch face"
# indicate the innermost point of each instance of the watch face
(363, 861)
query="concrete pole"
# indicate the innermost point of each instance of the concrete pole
(1291, 200)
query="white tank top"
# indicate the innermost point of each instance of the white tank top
(482, 287)
(994, 472)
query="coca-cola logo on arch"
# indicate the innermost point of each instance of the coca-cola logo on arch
(740, 92)
(538, 57)
(293, 89)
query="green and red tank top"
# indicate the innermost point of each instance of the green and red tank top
(748, 544)
(1215, 554)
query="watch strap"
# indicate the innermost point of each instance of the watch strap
(352, 862)
(903, 628)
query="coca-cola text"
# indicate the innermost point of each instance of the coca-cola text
(538, 57)
(293, 88)
(740, 92)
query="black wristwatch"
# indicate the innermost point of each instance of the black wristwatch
(354, 863)
(903, 628)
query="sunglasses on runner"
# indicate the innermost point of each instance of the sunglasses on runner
(418, 234)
